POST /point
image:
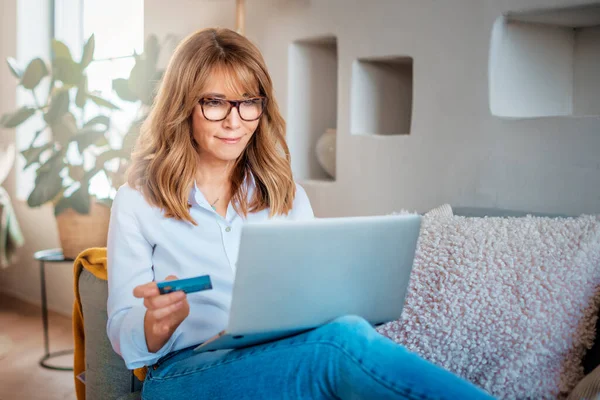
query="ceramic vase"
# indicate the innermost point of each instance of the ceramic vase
(325, 150)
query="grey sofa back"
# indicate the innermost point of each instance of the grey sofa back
(498, 212)
(106, 376)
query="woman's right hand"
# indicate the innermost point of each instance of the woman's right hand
(164, 313)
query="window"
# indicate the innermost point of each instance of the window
(118, 31)
(118, 28)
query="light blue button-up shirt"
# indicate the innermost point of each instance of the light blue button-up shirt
(145, 246)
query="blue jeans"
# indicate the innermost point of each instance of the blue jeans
(344, 359)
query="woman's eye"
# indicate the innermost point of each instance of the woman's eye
(213, 103)
(251, 102)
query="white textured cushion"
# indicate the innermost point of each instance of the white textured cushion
(445, 210)
(507, 303)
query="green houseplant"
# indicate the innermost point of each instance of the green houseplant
(141, 86)
(62, 177)
(82, 218)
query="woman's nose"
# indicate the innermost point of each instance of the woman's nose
(233, 120)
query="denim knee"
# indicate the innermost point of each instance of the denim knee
(347, 326)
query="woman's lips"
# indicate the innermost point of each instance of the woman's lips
(229, 140)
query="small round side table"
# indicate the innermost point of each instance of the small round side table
(49, 256)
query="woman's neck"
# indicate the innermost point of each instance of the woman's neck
(213, 174)
(213, 180)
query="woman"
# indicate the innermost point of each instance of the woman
(211, 155)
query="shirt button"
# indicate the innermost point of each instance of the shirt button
(228, 229)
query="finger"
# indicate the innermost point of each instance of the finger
(146, 290)
(163, 300)
(163, 312)
(150, 288)
(172, 320)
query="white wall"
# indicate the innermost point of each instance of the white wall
(8, 44)
(587, 65)
(544, 63)
(456, 152)
(381, 97)
(531, 69)
(317, 60)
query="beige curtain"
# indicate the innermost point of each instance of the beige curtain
(11, 236)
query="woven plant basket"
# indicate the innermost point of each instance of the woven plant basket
(78, 232)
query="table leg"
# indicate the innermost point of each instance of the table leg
(47, 354)
(44, 307)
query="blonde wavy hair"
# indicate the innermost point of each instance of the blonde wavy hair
(164, 159)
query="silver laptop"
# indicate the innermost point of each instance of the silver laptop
(293, 276)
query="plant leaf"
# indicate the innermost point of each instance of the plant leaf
(45, 190)
(34, 73)
(63, 204)
(102, 102)
(64, 128)
(91, 173)
(109, 155)
(52, 163)
(98, 120)
(48, 182)
(88, 52)
(151, 50)
(33, 154)
(152, 87)
(81, 97)
(87, 137)
(116, 178)
(67, 71)
(76, 172)
(79, 201)
(16, 118)
(14, 67)
(131, 136)
(107, 201)
(121, 86)
(59, 105)
(37, 133)
(140, 80)
(60, 50)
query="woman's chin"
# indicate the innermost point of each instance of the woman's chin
(230, 155)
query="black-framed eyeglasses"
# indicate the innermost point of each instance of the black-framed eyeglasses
(250, 109)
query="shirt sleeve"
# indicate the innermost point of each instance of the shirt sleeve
(301, 208)
(129, 258)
